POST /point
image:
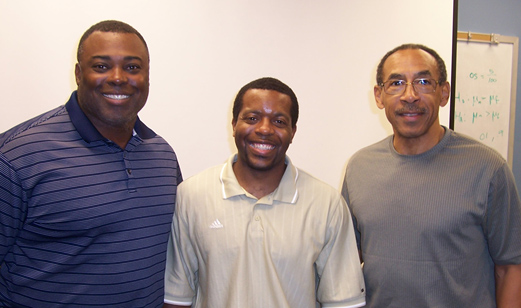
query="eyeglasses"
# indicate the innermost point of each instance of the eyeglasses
(420, 85)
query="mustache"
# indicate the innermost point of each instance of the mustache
(411, 109)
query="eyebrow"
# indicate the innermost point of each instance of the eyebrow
(126, 58)
(425, 73)
(257, 112)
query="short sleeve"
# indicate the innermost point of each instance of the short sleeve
(502, 223)
(13, 208)
(341, 282)
(181, 262)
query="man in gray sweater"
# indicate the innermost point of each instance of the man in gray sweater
(437, 214)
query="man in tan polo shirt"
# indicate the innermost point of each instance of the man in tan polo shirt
(257, 231)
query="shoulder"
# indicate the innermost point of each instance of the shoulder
(380, 147)
(160, 145)
(309, 184)
(371, 157)
(487, 164)
(472, 150)
(32, 130)
(320, 200)
(200, 191)
(202, 179)
(306, 178)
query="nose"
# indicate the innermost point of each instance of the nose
(409, 93)
(265, 127)
(117, 76)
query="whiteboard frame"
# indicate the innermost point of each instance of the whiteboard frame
(496, 39)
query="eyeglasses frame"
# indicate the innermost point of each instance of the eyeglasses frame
(436, 84)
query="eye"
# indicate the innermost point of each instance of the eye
(396, 83)
(280, 122)
(133, 67)
(249, 119)
(99, 67)
(423, 82)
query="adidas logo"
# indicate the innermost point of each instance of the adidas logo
(216, 224)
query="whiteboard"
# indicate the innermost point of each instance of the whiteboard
(485, 94)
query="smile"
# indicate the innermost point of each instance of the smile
(262, 146)
(116, 96)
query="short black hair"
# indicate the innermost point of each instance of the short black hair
(267, 83)
(442, 70)
(115, 26)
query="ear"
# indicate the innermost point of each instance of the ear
(77, 73)
(378, 96)
(445, 94)
(234, 123)
(293, 133)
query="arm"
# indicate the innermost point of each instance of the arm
(503, 237)
(345, 195)
(341, 282)
(180, 271)
(508, 285)
(13, 208)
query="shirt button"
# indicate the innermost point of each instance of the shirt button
(257, 218)
(129, 171)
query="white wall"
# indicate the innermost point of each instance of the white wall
(203, 51)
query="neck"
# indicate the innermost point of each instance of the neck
(259, 183)
(418, 145)
(120, 135)
(120, 139)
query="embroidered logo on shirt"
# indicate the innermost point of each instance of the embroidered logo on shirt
(216, 224)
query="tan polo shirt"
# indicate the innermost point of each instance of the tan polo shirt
(291, 248)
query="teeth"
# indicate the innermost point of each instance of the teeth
(116, 96)
(262, 146)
